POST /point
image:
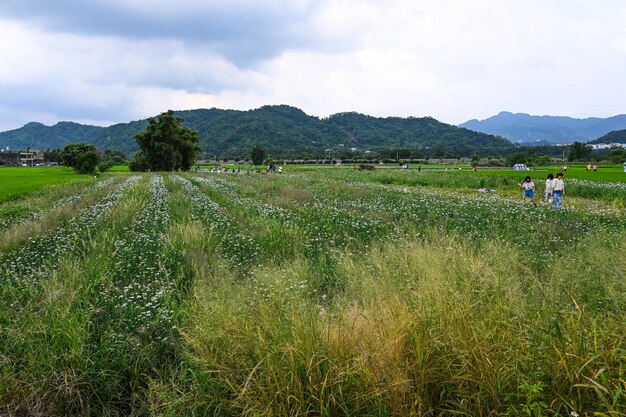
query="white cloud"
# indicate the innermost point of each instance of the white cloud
(451, 59)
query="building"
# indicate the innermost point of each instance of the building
(21, 158)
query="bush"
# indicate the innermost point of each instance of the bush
(104, 166)
(138, 163)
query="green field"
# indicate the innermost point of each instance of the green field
(317, 292)
(611, 173)
(17, 181)
(119, 168)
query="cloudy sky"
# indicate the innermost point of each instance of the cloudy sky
(108, 61)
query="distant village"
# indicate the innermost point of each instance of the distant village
(27, 158)
(597, 146)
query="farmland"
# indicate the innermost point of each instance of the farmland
(315, 292)
(17, 181)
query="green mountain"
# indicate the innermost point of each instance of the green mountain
(281, 130)
(616, 136)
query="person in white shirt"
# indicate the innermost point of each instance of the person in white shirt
(549, 188)
(558, 190)
(529, 190)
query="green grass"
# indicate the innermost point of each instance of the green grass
(322, 292)
(15, 182)
(119, 168)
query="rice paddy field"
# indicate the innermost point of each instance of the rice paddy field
(331, 292)
(18, 181)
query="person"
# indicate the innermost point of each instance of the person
(558, 188)
(529, 190)
(549, 188)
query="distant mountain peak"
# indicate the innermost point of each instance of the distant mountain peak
(33, 124)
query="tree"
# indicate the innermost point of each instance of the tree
(528, 157)
(72, 151)
(87, 162)
(617, 156)
(138, 163)
(257, 154)
(166, 145)
(578, 151)
(80, 156)
(52, 155)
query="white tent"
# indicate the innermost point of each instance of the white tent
(520, 167)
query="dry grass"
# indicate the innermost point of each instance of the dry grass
(421, 327)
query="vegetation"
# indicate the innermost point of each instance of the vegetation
(617, 156)
(114, 157)
(258, 154)
(80, 156)
(323, 292)
(579, 152)
(616, 136)
(282, 130)
(165, 145)
(528, 157)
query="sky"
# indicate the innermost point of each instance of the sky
(103, 62)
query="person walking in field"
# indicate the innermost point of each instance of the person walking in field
(529, 190)
(558, 191)
(549, 188)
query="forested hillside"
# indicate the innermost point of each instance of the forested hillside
(281, 130)
(616, 136)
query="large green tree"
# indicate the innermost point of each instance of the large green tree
(72, 151)
(80, 156)
(257, 154)
(166, 145)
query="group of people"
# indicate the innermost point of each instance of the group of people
(272, 168)
(555, 188)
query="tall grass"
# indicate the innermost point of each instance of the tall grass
(420, 328)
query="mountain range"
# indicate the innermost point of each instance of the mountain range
(281, 130)
(527, 129)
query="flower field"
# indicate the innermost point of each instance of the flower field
(322, 292)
